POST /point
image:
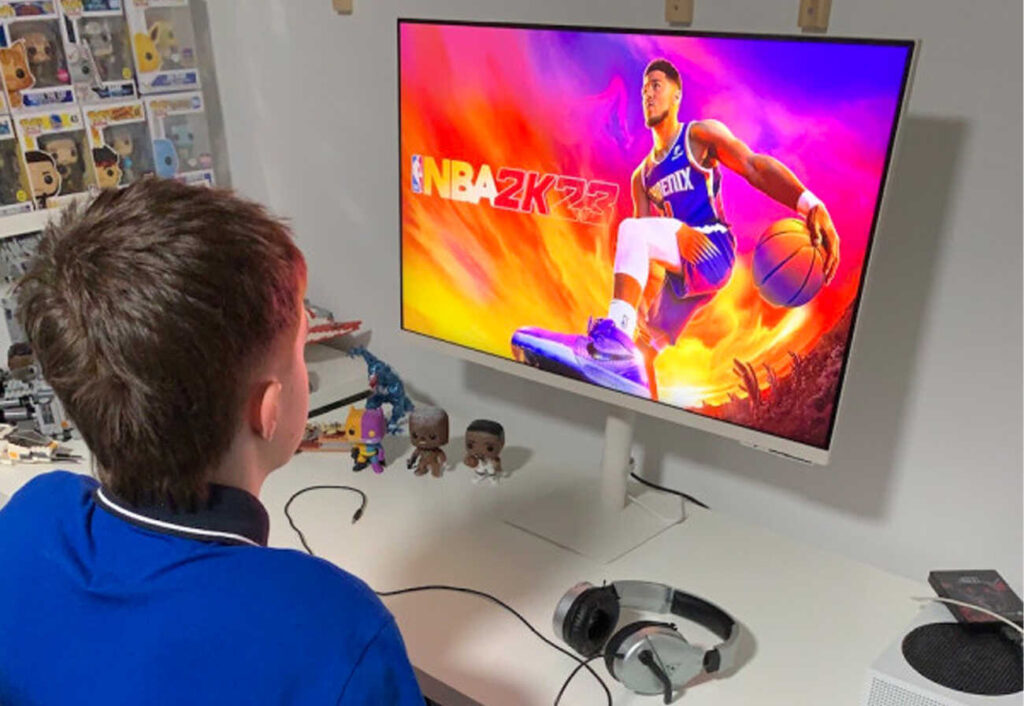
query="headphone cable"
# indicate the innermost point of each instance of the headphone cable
(472, 591)
(355, 517)
(565, 684)
(441, 587)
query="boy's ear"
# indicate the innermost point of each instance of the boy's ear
(264, 406)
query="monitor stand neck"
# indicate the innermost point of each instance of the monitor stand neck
(602, 520)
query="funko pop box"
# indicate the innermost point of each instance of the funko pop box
(163, 44)
(35, 68)
(98, 50)
(181, 137)
(119, 140)
(57, 159)
(15, 196)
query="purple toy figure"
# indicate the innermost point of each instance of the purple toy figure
(369, 450)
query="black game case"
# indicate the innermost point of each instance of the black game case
(982, 587)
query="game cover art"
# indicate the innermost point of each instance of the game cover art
(685, 219)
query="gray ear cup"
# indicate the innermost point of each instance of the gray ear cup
(660, 644)
(616, 640)
(586, 616)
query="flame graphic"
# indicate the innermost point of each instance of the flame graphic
(561, 102)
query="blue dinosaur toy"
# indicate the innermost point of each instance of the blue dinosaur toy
(385, 386)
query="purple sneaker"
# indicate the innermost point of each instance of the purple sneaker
(605, 356)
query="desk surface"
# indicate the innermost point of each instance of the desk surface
(813, 620)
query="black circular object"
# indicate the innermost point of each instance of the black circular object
(977, 659)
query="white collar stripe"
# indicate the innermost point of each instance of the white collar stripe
(170, 526)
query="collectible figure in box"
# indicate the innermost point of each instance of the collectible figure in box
(15, 196)
(57, 155)
(35, 69)
(163, 43)
(181, 138)
(123, 129)
(99, 54)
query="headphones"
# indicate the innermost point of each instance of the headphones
(647, 656)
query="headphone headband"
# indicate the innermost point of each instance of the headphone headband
(661, 598)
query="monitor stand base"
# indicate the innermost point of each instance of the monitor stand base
(603, 517)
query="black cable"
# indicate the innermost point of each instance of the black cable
(441, 587)
(680, 493)
(355, 517)
(472, 591)
(579, 666)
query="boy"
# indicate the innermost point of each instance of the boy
(169, 320)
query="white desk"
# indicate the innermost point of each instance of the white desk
(814, 620)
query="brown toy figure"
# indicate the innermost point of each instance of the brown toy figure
(484, 441)
(428, 428)
(16, 73)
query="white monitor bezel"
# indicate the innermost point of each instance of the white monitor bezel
(794, 450)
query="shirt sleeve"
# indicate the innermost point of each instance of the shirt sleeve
(383, 674)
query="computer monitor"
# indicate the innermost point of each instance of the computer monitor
(675, 223)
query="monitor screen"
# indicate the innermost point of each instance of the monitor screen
(681, 218)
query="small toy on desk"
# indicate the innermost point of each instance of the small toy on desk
(484, 441)
(325, 436)
(428, 428)
(323, 327)
(29, 446)
(386, 387)
(369, 450)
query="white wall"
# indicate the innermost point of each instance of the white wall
(927, 463)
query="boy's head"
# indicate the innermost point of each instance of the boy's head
(169, 320)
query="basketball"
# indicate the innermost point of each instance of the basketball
(788, 269)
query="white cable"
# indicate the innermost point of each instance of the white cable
(1009, 622)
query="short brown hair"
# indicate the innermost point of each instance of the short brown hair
(666, 67)
(147, 311)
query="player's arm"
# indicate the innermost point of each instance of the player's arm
(774, 179)
(641, 204)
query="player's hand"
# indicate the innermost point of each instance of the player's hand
(694, 246)
(823, 233)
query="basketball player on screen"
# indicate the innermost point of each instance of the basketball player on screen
(679, 184)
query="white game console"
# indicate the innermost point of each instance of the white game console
(892, 681)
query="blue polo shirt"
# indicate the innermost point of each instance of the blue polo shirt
(106, 603)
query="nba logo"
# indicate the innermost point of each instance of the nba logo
(417, 174)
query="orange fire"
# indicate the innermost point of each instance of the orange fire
(473, 274)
